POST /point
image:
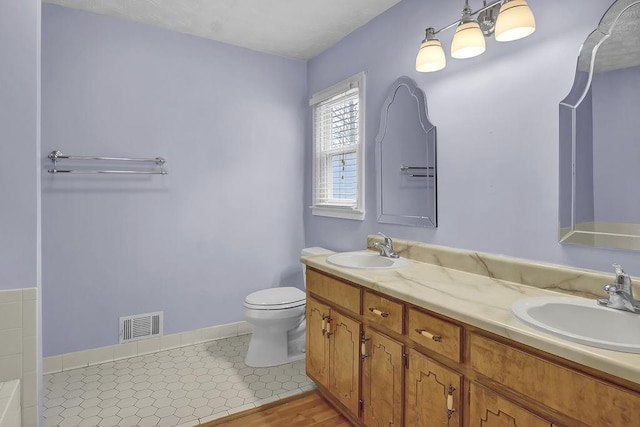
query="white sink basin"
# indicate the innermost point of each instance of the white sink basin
(583, 321)
(365, 260)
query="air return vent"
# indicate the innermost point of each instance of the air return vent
(134, 328)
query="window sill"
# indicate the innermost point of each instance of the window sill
(338, 213)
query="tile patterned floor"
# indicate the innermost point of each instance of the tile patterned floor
(180, 387)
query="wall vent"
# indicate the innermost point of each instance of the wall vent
(141, 326)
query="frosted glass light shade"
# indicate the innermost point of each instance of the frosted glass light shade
(430, 57)
(515, 21)
(468, 41)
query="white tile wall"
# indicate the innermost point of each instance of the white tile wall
(82, 359)
(10, 412)
(18, 347)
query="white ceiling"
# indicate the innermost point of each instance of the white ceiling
(292, 28)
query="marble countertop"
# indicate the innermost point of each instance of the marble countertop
(480, 301)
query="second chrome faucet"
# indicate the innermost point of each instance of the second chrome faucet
(620, 293)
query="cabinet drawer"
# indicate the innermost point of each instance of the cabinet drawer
(435, 334)
(579, 396)
(339, 293)
(383, 311)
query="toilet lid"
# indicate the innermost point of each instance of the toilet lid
(274, 298)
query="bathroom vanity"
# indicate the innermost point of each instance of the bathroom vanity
(431, 345)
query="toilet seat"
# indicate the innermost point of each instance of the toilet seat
(275, 299)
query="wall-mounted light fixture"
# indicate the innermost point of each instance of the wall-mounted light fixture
(508, 19)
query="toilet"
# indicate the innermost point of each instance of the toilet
(278, 319)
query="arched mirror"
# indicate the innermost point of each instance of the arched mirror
(406, 158)
(600, 136)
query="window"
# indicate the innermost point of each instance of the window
(338, 148)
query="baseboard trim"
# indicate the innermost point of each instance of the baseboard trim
(95, 356)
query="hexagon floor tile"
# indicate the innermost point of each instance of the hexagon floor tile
(182, 386)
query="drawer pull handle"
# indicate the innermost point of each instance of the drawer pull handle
(378, 312)
(436, 338)
(450, 410)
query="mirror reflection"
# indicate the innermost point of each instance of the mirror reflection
(406, 158)
(600, 136)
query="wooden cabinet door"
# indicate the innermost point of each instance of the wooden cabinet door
(344, 361)
(317, 344)
(432, 394)
(488, 409)
(382, 374)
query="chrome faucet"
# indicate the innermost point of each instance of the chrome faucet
(620, 293)
(386, 248)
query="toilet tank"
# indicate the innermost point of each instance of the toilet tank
(316, 250)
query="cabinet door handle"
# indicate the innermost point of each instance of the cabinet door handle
(378, 312)
(429, 335)
(363, 348)
(450, 410)
(325, 322)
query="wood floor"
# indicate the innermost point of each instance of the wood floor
(306, 410)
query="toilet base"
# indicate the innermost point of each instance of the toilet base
(268, 349)
(261, 362)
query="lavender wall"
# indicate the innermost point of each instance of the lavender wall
(226, 221)
(497, 119)
(19, 109)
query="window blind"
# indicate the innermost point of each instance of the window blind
(336, 140)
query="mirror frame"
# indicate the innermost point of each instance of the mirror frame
(629, 238)
(431, 219)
